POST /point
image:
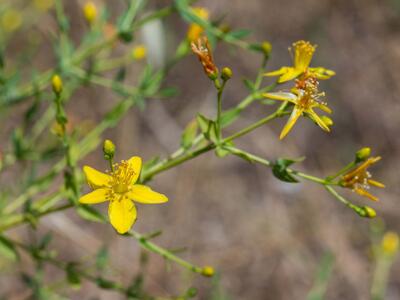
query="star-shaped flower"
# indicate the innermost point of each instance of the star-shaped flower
(119, 187)
(303, 53)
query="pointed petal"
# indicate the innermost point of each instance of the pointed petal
(291, 73)
(281, 96)
(278, 72)
(376, 183)
(364, 193)
(96, 196)
(317, 120)
(122, 214)
(136, 164)
(324, 108)
(144, 194)
(95, 179)
(296, 113)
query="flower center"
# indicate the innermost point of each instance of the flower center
(122, 177)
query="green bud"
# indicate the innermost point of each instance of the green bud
(226, 74)
(266, 47)
(365, 212)
(191, 292)
(363, 154)
(328, 121)
(108, 149)
(213, 75)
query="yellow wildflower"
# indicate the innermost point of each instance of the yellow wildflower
(90, 12)
(120, 189)
(195, 30)
(208, 271)
(57, 84)
(203, 51)
(305, 98)
(359, 179)
(303, 53)
(139, 52)
(390, 243)
(11, 20)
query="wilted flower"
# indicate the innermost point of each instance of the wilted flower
(303, 53)
(359, 179)
(120, 188)
(195, 30)
(203, 51)
(305, 97)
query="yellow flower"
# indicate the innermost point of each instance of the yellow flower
(90, 12)
(120, 189)
(305, 99)
(303, 53)
(139, 52)
(359, 179)
(390, 243)
(195, 30)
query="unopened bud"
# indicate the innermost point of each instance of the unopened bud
(191, 292)
(57, 84)
(90, 12)
(365, 212)
(208, 271)
(266, 47)
(108, 149)
(363, 154)
(226, 74)
(139, 52)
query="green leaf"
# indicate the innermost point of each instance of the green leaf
(208, 128)
(249, 84)
(322, 277)
(91, 214)
(105, 284)
(189, 134)
(169, 92)
(279, 169)
(238, 34)
(7, 249)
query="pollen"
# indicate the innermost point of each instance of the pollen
(122, 177)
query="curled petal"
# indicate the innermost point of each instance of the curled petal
(291, 73)
(144, 194)
(321, 73)
(122, 214)
(96, 196)
(376, 183)
(135, 163)
(324, 108)
(364, 193)
(96, 179)
(278, 72)
(318, 120)
(296, 113)
(282, 96)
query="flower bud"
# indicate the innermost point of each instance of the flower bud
(191, 292)
(363, 154)
(139, 52)
(90, 12)
(390, 243)
(365, 212)
(207, 271)
(57, 84)
(226, 74)
(266, 47)
(108, 149)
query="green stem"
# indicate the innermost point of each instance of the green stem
(342, 171)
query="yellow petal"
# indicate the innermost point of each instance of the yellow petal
(317, 120)
(136, 164)
(144, 194)
(122, 214)
(278, 72)
(291, 73)
(296, 113)
(321, 73)
(96, 179)
(364, 193)
(376, 183)
(96, 196)
(281, 96)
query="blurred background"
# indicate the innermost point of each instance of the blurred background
(266, 238)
